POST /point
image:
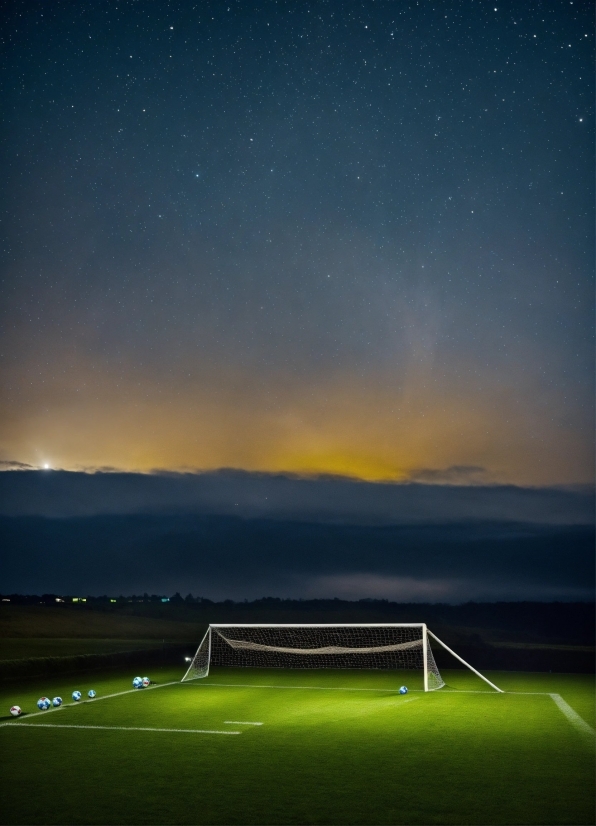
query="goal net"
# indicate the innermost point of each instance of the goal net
(403, 647)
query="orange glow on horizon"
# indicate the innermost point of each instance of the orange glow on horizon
(341, 426)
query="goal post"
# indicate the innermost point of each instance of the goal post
(388, 646)
(461, 659)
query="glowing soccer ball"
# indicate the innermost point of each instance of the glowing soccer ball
(43, 703)
(91, 693)
(76, 696)
(146, 682)
(403, 690)
(56, 702)
(138, 682)
(15, 711)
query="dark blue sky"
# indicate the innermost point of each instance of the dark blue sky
(318, 237)
(298, 238)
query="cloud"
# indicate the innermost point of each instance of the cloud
(229, 557)
(365, 585)
(232, 534)
(10, 464)
(277, 496)
(453, 475)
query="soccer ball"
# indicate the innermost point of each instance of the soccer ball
(146, 682)
(57, 701)
(138, 682)
(76, 696)
(15, 711)
(43, 703)
(91, 693)
(403, 690)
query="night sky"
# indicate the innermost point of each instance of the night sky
(348, 238)
(321, 245)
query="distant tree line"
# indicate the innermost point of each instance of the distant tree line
(564, 622)
(57, 599)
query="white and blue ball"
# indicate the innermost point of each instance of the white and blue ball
(91, 693)
(76, 696)
(146, 682)
(138, 682)
(403, 689)
(15, 711)
(43, 703)
(57, 702)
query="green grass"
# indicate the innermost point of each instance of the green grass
(324, 755)
(22, 648)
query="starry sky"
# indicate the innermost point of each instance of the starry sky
(349, 238)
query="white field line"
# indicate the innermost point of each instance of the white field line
(576, 721)
(122, 728)
(192, 683)
(490, 693)
(240, 723)
(301, 687)
(95, 700)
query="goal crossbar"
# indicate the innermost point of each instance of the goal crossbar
(317, 625)
(323, 645)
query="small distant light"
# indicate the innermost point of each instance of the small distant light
(46, 466)
(112, 600)
(188, 659)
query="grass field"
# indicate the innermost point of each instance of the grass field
(333, 747)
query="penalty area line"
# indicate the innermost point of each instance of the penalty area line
(343, 688)
(121, 728)
(296, 687)
(240, 723)
(576, 721)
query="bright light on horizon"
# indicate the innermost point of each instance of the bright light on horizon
(46, 466)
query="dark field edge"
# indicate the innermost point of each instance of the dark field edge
(171, 654)
(493, 658)
(482, 657)
(523, 636)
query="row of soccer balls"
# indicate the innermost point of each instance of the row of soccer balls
(44, 702)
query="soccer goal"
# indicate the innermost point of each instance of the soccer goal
(396, 646)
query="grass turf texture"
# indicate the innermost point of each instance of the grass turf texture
(321, 756)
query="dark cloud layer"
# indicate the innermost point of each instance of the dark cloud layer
(69, 494)
(227, 557)
(239, 535)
